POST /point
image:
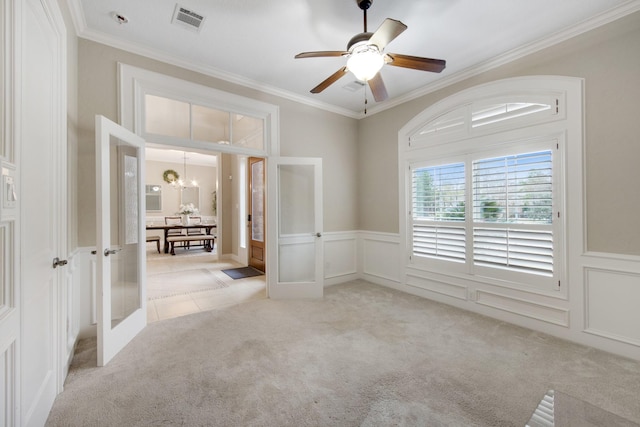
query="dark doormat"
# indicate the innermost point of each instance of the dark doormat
(242, 272)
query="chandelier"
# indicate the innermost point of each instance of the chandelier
(182, 183)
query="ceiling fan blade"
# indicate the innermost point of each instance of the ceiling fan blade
(329, 81)
(320, 54)
(389, 30)
(416, 62)
(377, 88)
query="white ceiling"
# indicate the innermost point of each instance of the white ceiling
(253, 42)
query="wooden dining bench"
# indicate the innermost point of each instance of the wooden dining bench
(208, 240)
(154, 239)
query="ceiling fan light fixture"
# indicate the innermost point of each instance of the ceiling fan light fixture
(365, 61)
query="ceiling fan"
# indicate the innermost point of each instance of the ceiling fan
(366, 56)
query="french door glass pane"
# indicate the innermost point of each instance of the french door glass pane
(297, 205)
(257, 201)
(296, 211)
(125, 283)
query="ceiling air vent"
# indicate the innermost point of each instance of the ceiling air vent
(354, 86)
(187, 18)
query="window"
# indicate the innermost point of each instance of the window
(485, 185)
(512, 212)
(166, 117)
(153, 196)
(510, 224)
(439, 211)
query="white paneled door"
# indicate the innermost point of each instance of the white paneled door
(296, 253)
(121, 296)
(41, 124)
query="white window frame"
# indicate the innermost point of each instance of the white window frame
(560, 130)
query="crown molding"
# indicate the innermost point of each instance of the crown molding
(77, 16)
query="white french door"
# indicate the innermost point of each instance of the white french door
(121, 296)
(296, 251)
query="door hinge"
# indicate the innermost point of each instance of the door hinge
(557, 106)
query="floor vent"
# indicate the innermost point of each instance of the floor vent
(187, 19)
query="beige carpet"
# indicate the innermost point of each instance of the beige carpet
(363, 356)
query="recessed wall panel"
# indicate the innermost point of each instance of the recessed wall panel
(613, 305)
(340, 257)
(380, 259)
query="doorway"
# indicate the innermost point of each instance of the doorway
(192, 280)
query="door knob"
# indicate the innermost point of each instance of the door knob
(108, 252)
(59, 262)
(318, 235)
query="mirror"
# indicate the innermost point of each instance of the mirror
(153, 197)
(191, 195)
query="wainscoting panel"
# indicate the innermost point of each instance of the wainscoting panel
(8, 384)
(340, 255)
(70, 308)
(380, 256)
(546, 313)
(439, 287)
(612, 304)
(6, 269)
(93, 289)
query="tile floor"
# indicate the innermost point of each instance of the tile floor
(191, 264)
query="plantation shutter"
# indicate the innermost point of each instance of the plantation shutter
(438, 211)
(512, 212)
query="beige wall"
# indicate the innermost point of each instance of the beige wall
(608, 59)
(206, 176)
(72, 121)
(304, 131)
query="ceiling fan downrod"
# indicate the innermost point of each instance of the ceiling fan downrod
(364, 5)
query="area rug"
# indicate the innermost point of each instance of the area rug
(242, 272)
(163, 285)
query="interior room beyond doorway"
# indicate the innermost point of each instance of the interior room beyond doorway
(186, 186)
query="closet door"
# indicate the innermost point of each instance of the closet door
(41, 198)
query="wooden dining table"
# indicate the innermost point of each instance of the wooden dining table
(167, 228)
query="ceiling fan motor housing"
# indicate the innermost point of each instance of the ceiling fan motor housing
(358, 38)
(364, 4)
